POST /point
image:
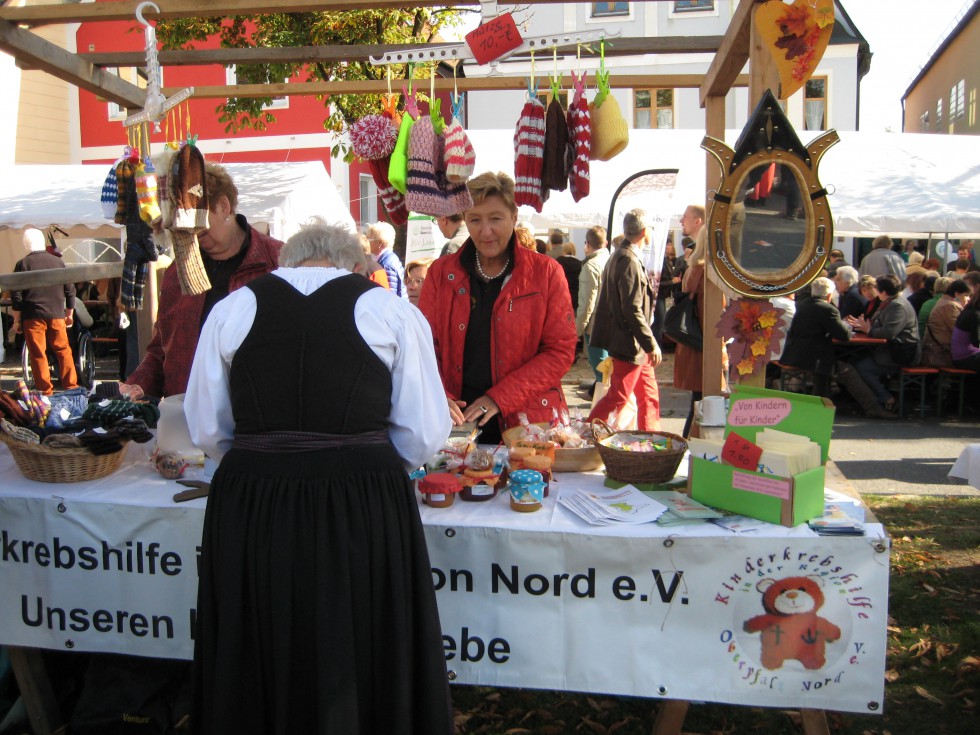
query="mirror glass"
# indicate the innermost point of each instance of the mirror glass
(767, 225)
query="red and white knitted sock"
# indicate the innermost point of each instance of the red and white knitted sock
(579, 143)
(392, 199)
(529, 154)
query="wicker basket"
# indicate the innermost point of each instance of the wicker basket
(47, 464)
(655, 467)
(579, 459)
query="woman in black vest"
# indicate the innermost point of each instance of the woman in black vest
(316, 612)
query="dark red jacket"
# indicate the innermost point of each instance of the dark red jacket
(167, 364)
(532, 342)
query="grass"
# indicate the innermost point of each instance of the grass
(933, 664)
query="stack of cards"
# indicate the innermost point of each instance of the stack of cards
(681, 509)
(608, 508)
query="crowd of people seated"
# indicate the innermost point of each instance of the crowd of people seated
(899, 296)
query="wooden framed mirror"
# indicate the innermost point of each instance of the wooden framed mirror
(769, 227)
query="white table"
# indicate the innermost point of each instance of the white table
(967, 465)
(539, 600)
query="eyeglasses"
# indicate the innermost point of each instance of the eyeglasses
(414, 281)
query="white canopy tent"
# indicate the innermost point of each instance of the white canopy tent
(275, 197)
(899, 184)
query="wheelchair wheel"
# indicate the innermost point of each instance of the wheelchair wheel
(25, 367)
(85, 358)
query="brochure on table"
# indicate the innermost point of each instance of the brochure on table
(785, 500)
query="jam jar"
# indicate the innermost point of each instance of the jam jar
(526, 491)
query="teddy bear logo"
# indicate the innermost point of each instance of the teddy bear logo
(791, 629)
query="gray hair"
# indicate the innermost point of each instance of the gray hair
(320, 241)
(383, 232)
(821, 288)
(848, 274)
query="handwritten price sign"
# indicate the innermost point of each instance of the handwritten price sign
(494, 38)
(741, 453)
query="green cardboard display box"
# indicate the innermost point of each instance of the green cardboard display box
(784, 500)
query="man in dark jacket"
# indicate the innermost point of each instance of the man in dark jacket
(43, 314)
(622, 327)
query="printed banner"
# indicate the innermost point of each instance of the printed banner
(788, 622)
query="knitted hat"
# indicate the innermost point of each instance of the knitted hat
(373, 137)
(110, 193)
(429, 191)
(915, 259)
(555, 168)
(529, 154)
(190, 190)
(34, 240)
(610, 134)
(579, 140)
(460, 157)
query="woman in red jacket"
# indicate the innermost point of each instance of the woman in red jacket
(501, 318)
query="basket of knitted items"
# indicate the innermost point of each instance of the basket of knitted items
(53, 463)
(529, 154)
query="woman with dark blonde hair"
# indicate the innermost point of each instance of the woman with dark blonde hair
(501, 319)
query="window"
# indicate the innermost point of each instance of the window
(815, 104)
(606, 9)
(133, 75)
(924, 122)
(939, 113)
(957, 104)
(683, 6)
(653, 108)
(277, 103)
(972, 119)
(368, 196)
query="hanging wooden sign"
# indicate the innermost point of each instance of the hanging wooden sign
(797, 36)
(494, 39)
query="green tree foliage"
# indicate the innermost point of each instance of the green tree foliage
(348, 28)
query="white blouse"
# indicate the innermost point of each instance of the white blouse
(395, 331)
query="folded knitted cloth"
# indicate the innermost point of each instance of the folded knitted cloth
(108, 389)
(19, 433)
(135, 429)
(11, 409)
(100, 443)
(65, 406)
(108, 413)
(62, 441)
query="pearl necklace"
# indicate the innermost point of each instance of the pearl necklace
(479, 269)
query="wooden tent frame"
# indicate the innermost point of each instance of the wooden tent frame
(739, 45)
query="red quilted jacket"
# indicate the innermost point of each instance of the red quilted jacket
(532, 339)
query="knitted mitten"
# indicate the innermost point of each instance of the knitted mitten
(398, 166)
(190, 266)
(554, 168)
(529, 154)
(146, 192)
(580, 140)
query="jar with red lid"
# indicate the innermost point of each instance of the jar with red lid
(439, 489)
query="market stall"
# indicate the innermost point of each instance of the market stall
(539, 600)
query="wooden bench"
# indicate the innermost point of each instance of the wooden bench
(914, 377)
(953, 376)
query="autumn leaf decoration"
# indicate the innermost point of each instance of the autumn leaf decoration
(753, 327)
(799, 34)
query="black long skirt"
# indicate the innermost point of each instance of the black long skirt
(316, 611)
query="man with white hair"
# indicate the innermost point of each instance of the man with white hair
(43, 314)
(850, 302)
(381, 237)
(810, 342)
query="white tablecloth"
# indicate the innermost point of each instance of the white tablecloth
(967, 465)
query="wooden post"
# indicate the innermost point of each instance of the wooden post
(147, 316)
(712, 382)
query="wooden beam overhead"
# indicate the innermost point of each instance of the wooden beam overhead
(465, 84)
(36, 15)
(732, 54)
(361, 52)
(54, 60)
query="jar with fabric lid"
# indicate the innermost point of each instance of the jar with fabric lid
(439, 489)
(541, 463)
(526, 491)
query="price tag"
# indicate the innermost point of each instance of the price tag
(494, 38)
(741, 453)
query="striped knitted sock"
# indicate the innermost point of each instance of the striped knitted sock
(580, 143)
(529, 154)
